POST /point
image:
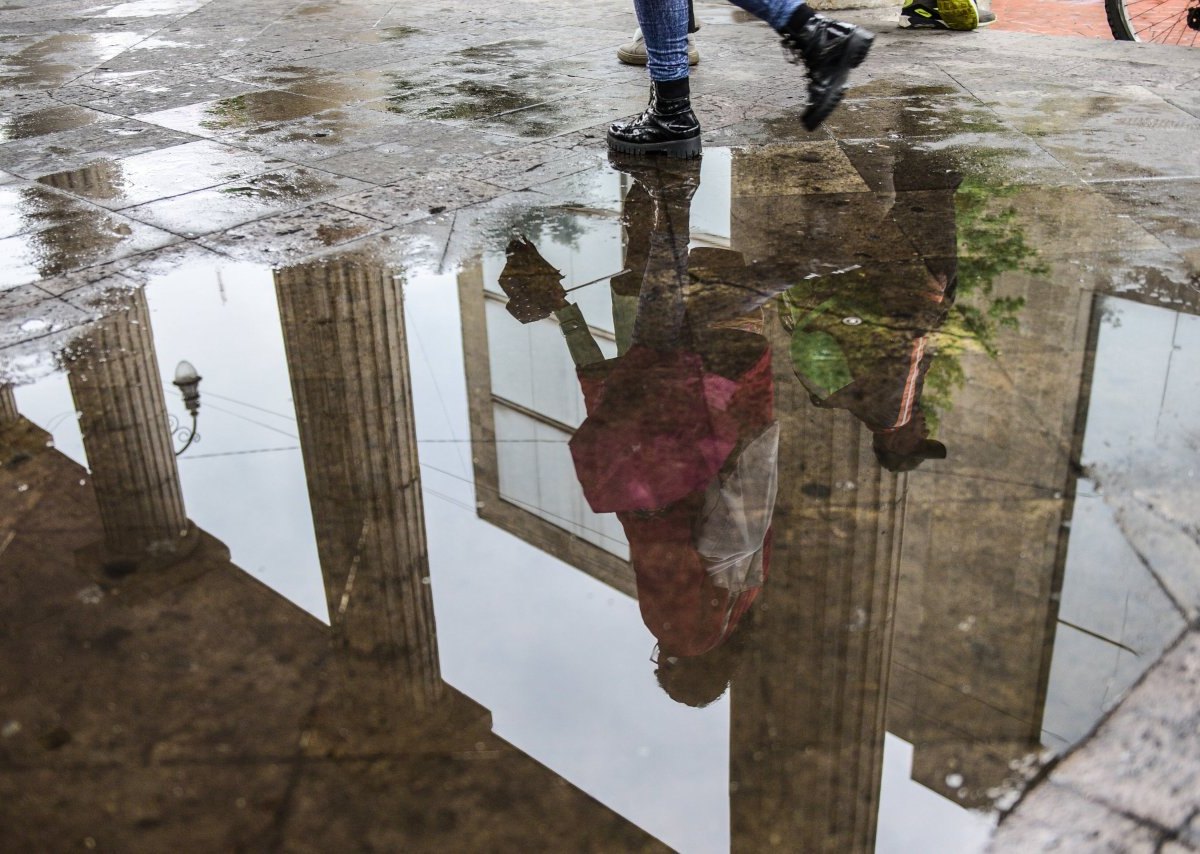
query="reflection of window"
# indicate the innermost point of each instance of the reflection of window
(525, 404)
(1114, 619)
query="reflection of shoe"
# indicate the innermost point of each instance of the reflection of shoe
(667, 126)
(634, 53)
(829, 49)
(662, 179)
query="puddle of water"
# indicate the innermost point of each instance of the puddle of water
(53, 60)
(51, 120)
(707, 482)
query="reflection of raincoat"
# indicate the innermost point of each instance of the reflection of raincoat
(687, 459)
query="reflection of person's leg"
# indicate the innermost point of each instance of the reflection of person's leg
(668, 125)
(660, 313)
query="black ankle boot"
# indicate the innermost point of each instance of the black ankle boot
(667, 126)
(829, 49)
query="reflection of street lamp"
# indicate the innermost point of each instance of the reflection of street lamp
(188, 383)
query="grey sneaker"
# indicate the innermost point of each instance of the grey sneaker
(634, 53)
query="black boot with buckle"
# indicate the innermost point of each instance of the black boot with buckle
(829, 50)
(667, 125)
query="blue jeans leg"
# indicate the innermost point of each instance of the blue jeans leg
(664, 25)
(775, 12)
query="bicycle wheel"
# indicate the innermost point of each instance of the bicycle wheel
(1160, 21)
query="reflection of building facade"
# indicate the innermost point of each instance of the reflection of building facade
(974, 615)
(237, 696)
(809, 705)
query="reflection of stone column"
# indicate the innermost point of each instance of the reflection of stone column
(809, 703)
(117, 389)
(8, 405)
(343, 324)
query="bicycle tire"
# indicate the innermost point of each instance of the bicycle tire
(1163, 26)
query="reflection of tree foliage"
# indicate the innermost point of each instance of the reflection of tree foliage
(563, 227)
(990, 243)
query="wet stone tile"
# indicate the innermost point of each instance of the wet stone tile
(912, 117)
(484, 90)
(33, 207)
(418, 198)
(228, 205)
(327, 134)
(530, 165)
(151, 96)
(417, 148)
(295, 234)
(1048, 110)
(82, 239)
(53, 60)
(1056, 818)
(803, 168)
(259, 110)
(44, 319)
(75, 148)
(564, 116)
(997, 158)
(1163, 151)
(48, 121)
(159, 174)
(1145, 760)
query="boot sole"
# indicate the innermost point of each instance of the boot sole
(856, 52)
(684, 149)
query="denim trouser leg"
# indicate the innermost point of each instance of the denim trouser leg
(775, 12)
(664, 25)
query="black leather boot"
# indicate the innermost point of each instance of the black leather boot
(667, 125)
(829, 49)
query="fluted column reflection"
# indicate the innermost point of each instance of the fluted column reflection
(8, 406)
(117, 389)
(343, 324)
(808, 706)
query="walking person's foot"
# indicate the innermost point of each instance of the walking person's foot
(634, 51)
(667, 125)
(830, 50)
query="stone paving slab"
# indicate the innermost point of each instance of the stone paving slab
(1135, 785)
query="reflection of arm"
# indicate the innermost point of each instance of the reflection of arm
(583, 347)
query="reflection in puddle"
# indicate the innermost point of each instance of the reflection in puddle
(761, 509)
(42, 122)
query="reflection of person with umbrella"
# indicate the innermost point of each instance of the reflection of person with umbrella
(680, 439)
(860, 342)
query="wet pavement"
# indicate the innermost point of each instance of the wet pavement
(819, 495)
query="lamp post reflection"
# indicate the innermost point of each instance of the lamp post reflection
(187, 380)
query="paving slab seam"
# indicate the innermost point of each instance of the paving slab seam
(1043, 771)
